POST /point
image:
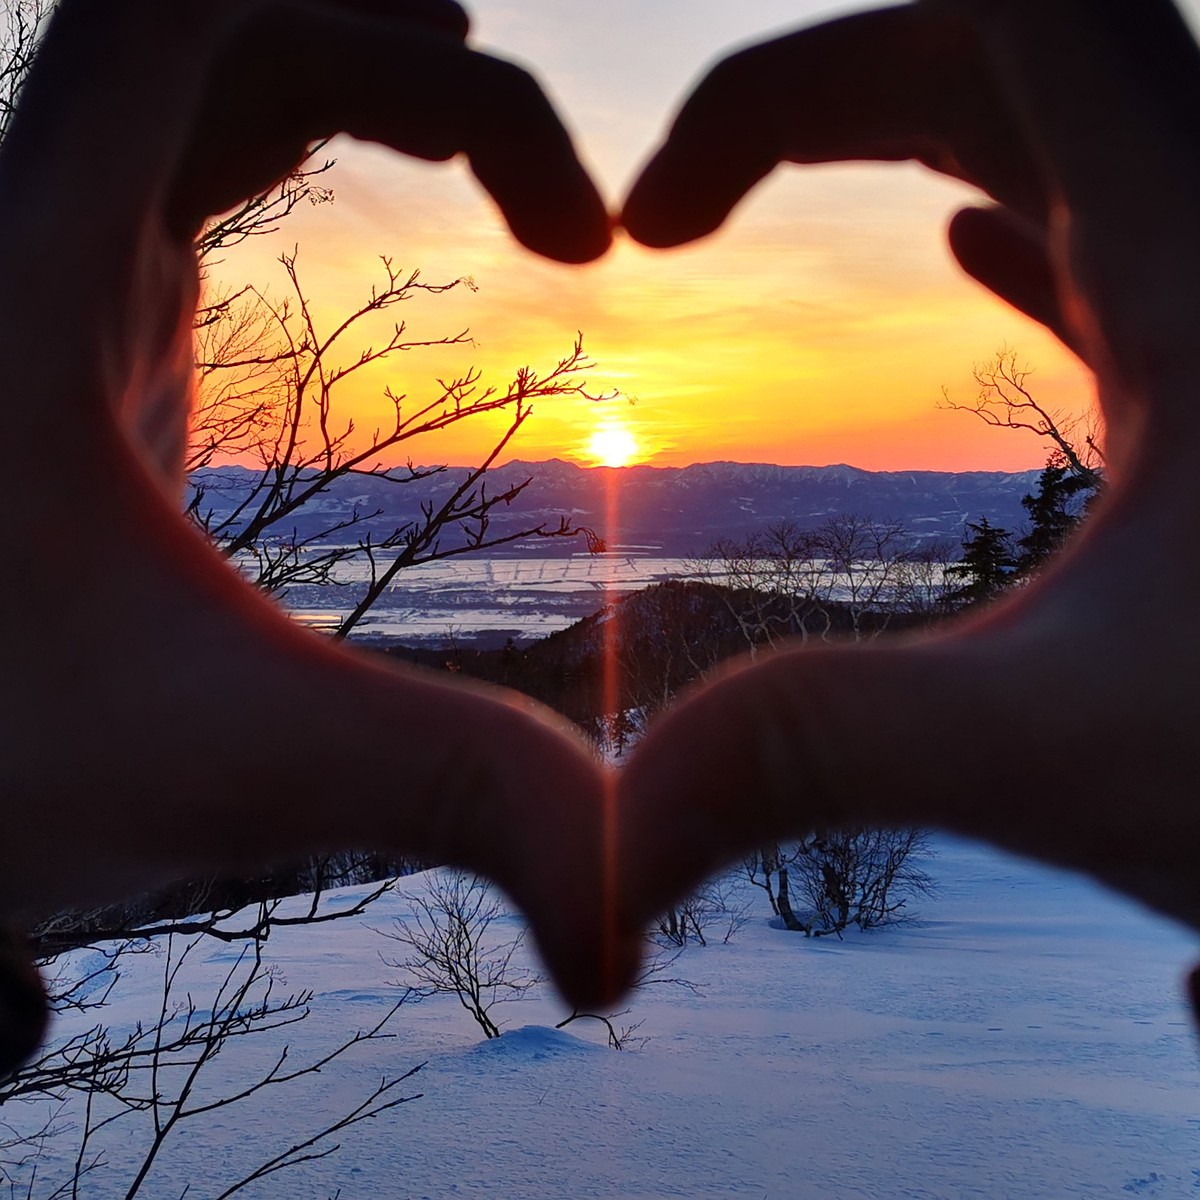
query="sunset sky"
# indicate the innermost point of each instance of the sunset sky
(819, 327)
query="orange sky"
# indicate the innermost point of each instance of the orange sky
(821, 326)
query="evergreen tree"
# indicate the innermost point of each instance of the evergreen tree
(987, 566)
(1055, 509)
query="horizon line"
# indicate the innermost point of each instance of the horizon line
(644, 466)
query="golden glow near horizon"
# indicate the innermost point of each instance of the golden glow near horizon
(820, 326)
(613, 445)
(742, 348)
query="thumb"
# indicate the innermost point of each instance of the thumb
(800, 740)
(1042, 739)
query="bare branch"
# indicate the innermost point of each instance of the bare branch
(1006, 401)
(452, 950)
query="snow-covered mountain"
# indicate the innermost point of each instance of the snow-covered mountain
(670, 510)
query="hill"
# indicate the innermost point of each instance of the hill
(673, 511)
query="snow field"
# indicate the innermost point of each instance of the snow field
(1026, 1037)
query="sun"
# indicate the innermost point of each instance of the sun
(613, 446)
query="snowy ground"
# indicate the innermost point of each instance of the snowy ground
(1026, 1039)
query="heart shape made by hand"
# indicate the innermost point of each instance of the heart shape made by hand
(113, 781)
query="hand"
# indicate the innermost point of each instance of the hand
(160, 719)
(1060, 723)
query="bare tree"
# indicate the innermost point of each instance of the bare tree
(452, 949)
(260, 215)
(865, 569)
(921, 586)
(769, 868)
(455, 945)
(226, 910)
(1006, 401)
(620, 1037)
(270, 389)
(23, 21)
(97, 1088)
(1074, 472)
(862, 877)
(773, 583)
(848, 575)
(835, 878)
(714, 910)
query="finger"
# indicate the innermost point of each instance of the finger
(23, 1007)
(894, 84)
(114, 81)
(1108, 95)
(440, 16)
(1193, 995)
(771, 751)
(293, 72)
(1008, 255)
(1089, 81)
(218, 106)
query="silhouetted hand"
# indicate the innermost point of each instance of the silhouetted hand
(159, 718)
(1061, 722)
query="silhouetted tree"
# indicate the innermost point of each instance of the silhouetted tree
(1074, 472)
(24, 21)
(1006, 401)
(1059, 504)
(835, 878)
(987, 565)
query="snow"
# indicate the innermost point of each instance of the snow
(1025, 1037)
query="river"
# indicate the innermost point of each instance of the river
(484, 599)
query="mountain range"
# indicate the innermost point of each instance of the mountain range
(672, 511)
